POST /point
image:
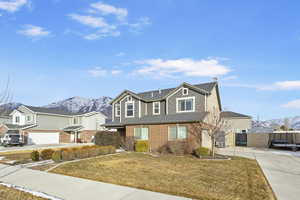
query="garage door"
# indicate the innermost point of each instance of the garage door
(43, 138)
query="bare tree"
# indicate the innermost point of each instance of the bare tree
(214, 125)
(5, 97)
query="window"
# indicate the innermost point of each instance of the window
(129, 109)
(186, 104)
(117, 110)
(28, 118)
(185, 91)
(17, 119)
(177, 132)
(141, 133)
(75, 121)
(156, 108)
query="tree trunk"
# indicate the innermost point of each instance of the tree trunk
(213, 146)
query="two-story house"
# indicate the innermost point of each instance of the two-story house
(165, 115)
(40, 125)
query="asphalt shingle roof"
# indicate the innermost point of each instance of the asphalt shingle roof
(51, 111)
(158, 94)
(229, 114)
(73, 128)
(160, 119)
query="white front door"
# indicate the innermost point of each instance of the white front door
(72, 137)
(43, 138)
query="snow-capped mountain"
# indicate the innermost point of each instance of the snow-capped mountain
(5, 109)
(294, 122)
(81, 104)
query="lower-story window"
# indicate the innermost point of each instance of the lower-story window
(141, 133)
(177, 132)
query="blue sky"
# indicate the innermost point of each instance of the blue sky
(55, 49)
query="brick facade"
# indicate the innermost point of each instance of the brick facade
(87, 136)
(3, 130)
(158, 133)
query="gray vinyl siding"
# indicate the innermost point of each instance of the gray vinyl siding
(199, 101)
(162, 108)
(123, 109)
(50, 122)
(116, 119)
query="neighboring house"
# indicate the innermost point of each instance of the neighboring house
(4, 119)
(236, 123)
(51, 126)
(161, 116)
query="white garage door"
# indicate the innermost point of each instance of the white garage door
(43, 138)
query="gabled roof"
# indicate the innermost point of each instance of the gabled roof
(18, 127)
(56, 111)
(156, 95)
(229, 114)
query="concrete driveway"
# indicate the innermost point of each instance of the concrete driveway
(282, 169)
(41, 146)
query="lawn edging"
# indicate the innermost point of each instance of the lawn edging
(77, 160)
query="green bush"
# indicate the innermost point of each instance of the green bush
(105, 138)
(141, 146)
(202, 151)
(46, 154)
(35, 156)
(56, 156)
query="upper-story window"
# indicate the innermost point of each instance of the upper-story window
(28, 118)
(118, 110)
(75, 121)
(185, 104)
(17, 119)
(185, 91)
(129, 109)
(156, 108)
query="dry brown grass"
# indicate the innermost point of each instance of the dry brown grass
(7, 193)
(236, 179)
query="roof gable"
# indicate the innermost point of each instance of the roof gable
(230, 114)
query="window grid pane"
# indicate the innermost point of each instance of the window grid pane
(172, 133)
(182, 132)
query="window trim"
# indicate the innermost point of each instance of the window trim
(28, 118)
(177, 128)
(153, 108)
(17, 119)
(187, 91)
(116, 110)
(134, 131)
(133, 109)
(185, 98)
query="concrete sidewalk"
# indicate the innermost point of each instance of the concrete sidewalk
(281, 168)
(71, 188)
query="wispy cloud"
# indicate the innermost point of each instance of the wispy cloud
(12, 6)
(96, 17)
(292, 104)
(33, 31)
(182, 67)
(100, 72)
(106, 9)
(283, 85)
(120, 54)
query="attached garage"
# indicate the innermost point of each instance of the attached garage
(43, 138)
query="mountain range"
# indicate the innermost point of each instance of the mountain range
(101, 104)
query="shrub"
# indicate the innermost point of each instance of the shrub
(141, 146)
(82, 153)
(68, 155)
(202, 151)
(56, 156)
(46, 154)
(176, 147)
(105, 138)
(35, 156)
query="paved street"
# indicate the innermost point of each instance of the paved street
(71, 188)
(282, 169)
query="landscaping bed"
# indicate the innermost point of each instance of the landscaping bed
(8, 193)
(238, 178)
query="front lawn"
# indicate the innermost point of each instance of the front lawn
(239, 178)
(14, 194)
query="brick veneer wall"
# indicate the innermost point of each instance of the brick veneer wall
(158, 133)
(3, 130)
(87, 136)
